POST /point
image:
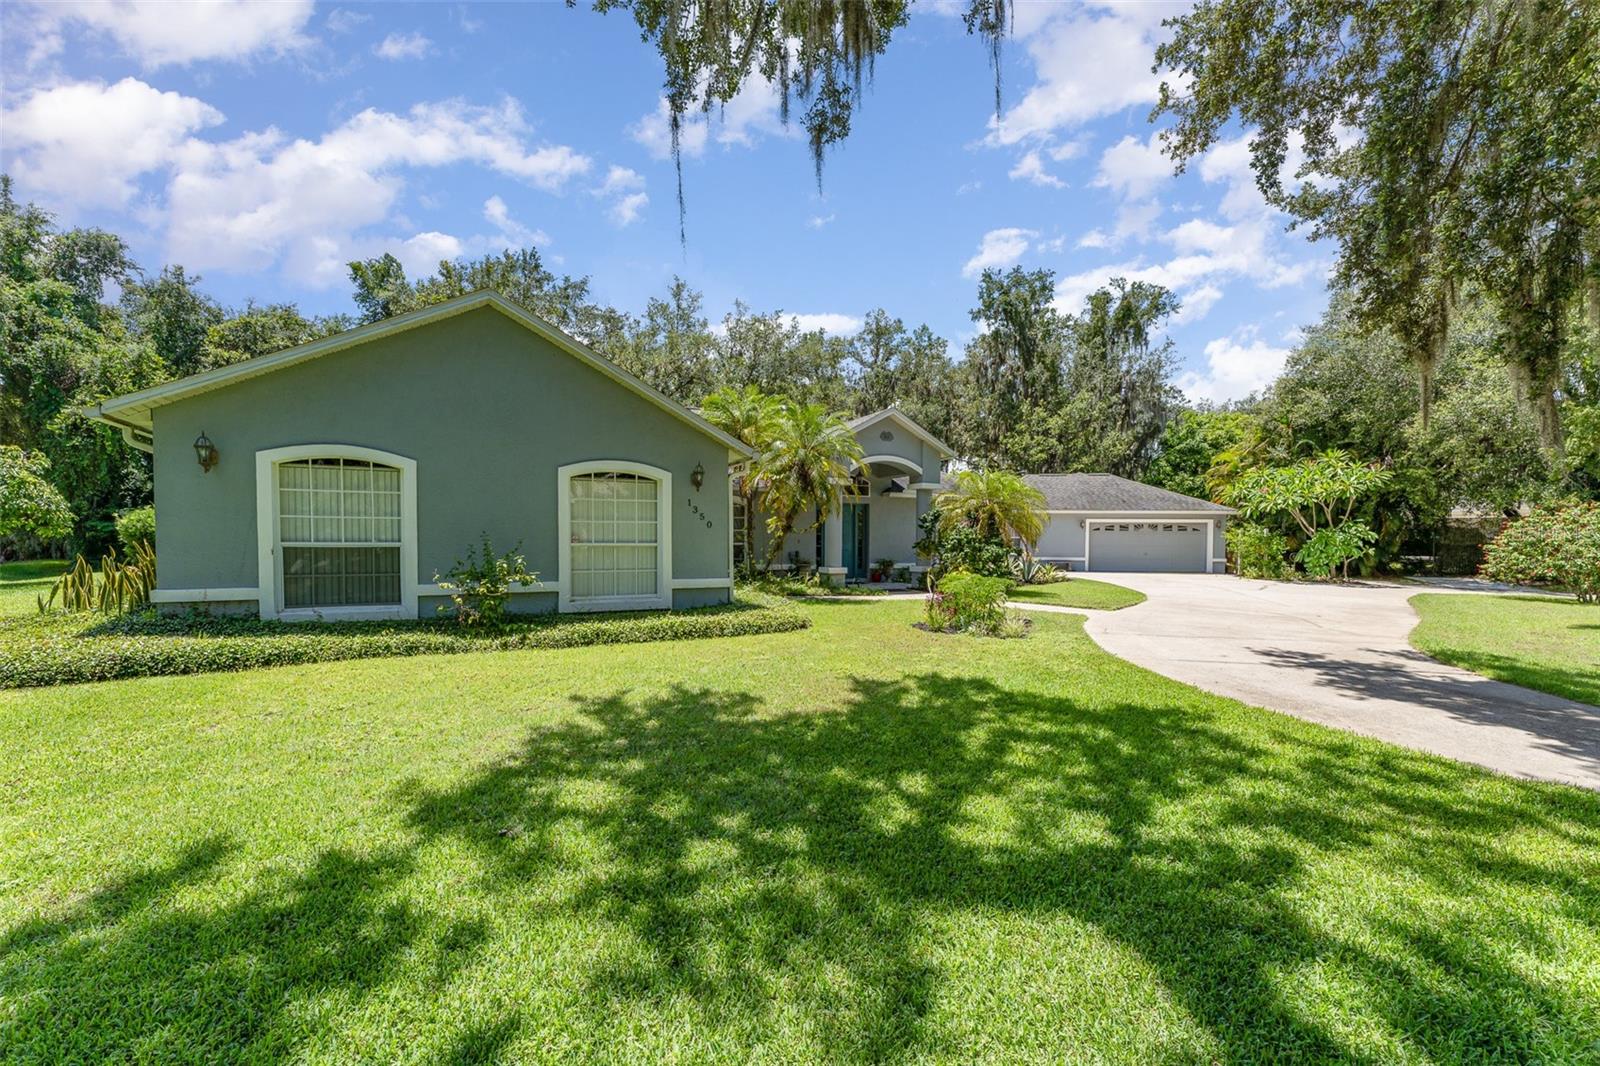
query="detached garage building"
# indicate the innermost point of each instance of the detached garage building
(1108, 523)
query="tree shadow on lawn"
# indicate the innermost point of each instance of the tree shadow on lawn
(749, 849)
(767, 872)
(139, 971)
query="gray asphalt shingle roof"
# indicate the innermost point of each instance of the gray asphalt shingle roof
(1108, 492)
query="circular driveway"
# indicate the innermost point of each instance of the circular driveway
(1339, 655)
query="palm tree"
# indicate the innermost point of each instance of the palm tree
(751, 416)
(996, 503)
(809, 463)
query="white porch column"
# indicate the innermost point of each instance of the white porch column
(833, 545)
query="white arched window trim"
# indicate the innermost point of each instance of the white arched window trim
(269, 570)
(664, 502)
(891, 460)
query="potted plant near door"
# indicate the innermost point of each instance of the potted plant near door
(882, 569)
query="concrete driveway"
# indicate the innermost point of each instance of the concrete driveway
(1339, 655)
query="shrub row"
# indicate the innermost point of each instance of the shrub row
(66, 649)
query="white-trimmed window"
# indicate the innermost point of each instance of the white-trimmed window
(615, 523)
(337, 532)
(615, 534)
(739, 520)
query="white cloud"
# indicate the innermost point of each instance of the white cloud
(751, 114)
(403, 46)
(159, 33)
(1133, 169)
(1031, 168)
(626, 209)
(999, 248)
(625, 187)
(1197, 304)
(514, 233)
(343, 20)
(828, 322)
(620, 179)
(264, 198)
(1090, 63)
(818, 221)
(968, 186)
(1234, 369)
(85, 144)
(1095, 238)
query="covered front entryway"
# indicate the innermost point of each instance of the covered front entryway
(1144, 546)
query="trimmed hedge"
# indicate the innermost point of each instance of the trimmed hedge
(63, 649)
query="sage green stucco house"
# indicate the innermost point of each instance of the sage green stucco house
(350, 471)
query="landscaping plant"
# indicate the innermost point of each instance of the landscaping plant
(1557, 544)
(119, 585)
(970, 603)
(136, 526)
(1319, 494)
(480, 585)
(1259, 552)
(960, 547)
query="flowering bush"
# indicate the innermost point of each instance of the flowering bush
(1556, 545)
(968, 602)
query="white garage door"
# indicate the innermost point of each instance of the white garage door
(1149, 547)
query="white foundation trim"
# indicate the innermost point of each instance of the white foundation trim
(204, 595)
(702, 583)
(516, 590)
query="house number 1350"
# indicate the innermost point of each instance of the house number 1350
(695, 508)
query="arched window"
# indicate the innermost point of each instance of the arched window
(615, 539)
(338, 529)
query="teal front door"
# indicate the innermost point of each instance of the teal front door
(855, 559)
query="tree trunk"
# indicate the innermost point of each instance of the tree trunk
(1536, 393)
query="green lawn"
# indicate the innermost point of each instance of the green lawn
(1537, 641)
(1079, 592)
(859, 841)
(21, 584)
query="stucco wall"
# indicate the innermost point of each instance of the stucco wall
(488, 410)
(1063, 535)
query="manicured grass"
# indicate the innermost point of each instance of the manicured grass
(1079, 592)
(21, 584)
(66, 648)
(1540, 642)
(853, 842)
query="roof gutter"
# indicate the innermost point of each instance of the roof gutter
(137, 436)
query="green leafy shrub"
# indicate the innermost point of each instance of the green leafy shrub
(119, 585)
(59, 649)
(967, 602)
(1557, 544)
(136, 526)
(1332, 549)
(960, 547)
(479, 585)
(1259, 552)
(30, 506)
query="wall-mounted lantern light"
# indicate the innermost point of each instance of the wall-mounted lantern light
(205, 451)
(698, 477)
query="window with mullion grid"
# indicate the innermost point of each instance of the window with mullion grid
(615, 534)
(339, 532)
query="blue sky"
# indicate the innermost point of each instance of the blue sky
(263, 145)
